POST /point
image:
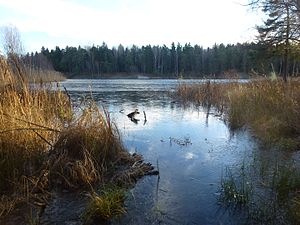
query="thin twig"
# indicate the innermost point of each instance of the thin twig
(38, 125)
(23, 129)
(44, 139)
(67, 92)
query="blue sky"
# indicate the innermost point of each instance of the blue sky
(80, 22)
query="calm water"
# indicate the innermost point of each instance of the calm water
(190, 148)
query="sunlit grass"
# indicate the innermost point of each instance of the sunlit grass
(30, 122)
(44, 145)
(270, 108)
(86, 150)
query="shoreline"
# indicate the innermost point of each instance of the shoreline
(141, 76)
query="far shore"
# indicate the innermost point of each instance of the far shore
(151, 76)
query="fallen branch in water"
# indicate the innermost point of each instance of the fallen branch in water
(145, 116)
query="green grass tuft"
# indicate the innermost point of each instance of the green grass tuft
(107, 205)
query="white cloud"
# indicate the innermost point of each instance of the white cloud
(134, 21)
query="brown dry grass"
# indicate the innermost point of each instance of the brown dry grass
(44, 145)
(30, 122)
(43, 76)
(270, 108)
(206, 94)
(86, 149)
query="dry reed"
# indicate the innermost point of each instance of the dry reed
(43, 145)
(270, 108)
(30, 122)
(43, 76)
(86, 149)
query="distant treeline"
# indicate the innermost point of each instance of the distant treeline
(177, 60)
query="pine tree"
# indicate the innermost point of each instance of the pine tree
(281, 29)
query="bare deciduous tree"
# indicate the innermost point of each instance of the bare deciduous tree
(13, 48)
(11, 40)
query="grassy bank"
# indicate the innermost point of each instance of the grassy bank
(271, 109)
(44, 76)
(44, 146)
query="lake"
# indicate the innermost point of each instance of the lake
(189, 146)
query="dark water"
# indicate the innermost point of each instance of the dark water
(189, 147)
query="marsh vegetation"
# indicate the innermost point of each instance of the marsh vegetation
(47, 147)
(269, 108)
(264, 187)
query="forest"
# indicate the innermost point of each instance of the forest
(162, 61)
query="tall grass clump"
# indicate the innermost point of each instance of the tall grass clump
(30, 122)
(206, 94)
(271, 108)
(86, 149)
(45, 145)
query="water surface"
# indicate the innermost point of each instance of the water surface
(189, 146)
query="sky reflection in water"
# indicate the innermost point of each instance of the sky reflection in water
(190, 175)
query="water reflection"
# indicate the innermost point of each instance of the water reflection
(189, 146)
